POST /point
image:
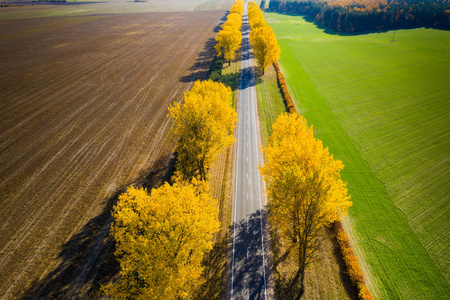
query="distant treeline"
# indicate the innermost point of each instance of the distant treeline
(369, 15)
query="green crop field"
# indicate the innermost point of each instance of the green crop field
(382, 106)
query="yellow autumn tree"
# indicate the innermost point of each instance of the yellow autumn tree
(228, 42)
(234, 20)
(265, 46)
(202, 127)
(238, 7)
(305, 190)
(257, 22)
(161, 240)
(254, 14)
(229, 38)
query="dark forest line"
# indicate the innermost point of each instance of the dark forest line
(357, 16)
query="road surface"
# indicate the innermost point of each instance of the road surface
(249, 264)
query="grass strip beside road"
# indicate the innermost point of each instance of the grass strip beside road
(230, 77)
(270, 102)
(398, 264)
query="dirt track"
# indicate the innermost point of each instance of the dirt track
(82, 114)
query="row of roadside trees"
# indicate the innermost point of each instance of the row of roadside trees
(306, 194)
(263, 39)
(229, 38)
(162, 237)
(304, 186)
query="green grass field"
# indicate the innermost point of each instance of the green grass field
(383, 108)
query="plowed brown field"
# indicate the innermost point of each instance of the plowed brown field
(83, 105)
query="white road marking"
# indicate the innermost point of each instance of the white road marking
(261, 221)
(234, 225)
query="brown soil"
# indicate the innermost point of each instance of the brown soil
(83, 114)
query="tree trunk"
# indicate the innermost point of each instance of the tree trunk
(302, 265)
(294, 282)
(229, 62)
(282, 258)
(302, 288)
(201, 169)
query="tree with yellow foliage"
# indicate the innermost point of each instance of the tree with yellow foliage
(234, 20)
(305, 190)
(254, 13)
(229, 38)
(203, 127)
(265, 46)
(228, 42)
(161, 240)
(257, 22)
(238, 7)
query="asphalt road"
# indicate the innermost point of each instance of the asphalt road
(249, 267)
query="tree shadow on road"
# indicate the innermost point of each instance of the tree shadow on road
(249, 259)
(87, 260)
(246, 78)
